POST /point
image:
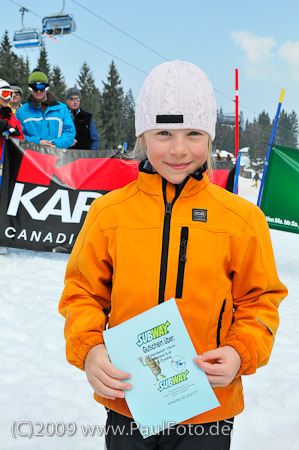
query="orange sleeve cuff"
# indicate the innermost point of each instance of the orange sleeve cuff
(85, 347)
(247, 354)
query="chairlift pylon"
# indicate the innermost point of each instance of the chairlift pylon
(27, 37)
(59, 23)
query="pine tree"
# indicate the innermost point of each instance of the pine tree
(225, 135)
(90, 94)
(251, 137)
(43, 63)
(266, 129)
(128, 121)
(25, 77)
(22, 72)
(257, 136)
(58, 85)
(287, 130)
(293, 142)
(8, 59)
(111, 110)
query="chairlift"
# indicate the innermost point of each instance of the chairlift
(227, 119)
(27, 37)
(58, 24)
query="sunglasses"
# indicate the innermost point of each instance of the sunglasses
(17, 92)
(6, 94)
(38, 86)
(74, 99)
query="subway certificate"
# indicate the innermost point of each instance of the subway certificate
(156, 349)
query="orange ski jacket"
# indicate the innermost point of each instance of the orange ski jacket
(148, 242)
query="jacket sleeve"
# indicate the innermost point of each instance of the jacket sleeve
(17, 124)
(257, 293)
(66, 139)
(95, 141)
(20, 116)
(86, 297)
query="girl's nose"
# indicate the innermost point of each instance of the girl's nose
(179, 146)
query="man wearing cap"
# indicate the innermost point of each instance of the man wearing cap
(44, 119)
(15, 102)
(86, 132)
(8, 123)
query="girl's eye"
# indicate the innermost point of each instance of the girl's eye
(164, 133)
(195, 133)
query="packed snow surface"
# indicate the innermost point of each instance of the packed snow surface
(44, 395)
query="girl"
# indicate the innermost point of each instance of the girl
(170, 234)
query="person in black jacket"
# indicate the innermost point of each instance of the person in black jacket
(86, 132)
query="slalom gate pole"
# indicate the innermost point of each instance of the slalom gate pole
(2, 156)
(235, 191)
(269, 148)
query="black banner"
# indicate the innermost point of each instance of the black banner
(46, 192)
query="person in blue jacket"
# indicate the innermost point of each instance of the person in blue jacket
(44, 119)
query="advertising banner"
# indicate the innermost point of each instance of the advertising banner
(46, 192)
(280, 197)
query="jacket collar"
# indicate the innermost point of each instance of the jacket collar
(150, 181)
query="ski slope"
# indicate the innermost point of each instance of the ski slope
(42, 394)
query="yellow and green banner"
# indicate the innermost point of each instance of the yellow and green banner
(280, 197)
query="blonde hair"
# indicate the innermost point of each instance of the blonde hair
(140, 152)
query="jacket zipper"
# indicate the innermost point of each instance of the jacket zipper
(165, 238)
(182, 262)
(220, 322)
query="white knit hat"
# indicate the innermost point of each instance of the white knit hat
(176, 95)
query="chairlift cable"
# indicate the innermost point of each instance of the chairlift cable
(29, 10)
(111, 54)
(144, 45)
(120, 30)
(116, 57)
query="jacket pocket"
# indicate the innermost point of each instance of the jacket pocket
(220, 322)
(182, 262)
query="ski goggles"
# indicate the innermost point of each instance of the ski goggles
(6, 94)
(38, 86)
(75, 99)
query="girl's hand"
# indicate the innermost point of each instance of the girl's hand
(103, 376)
(223, 366)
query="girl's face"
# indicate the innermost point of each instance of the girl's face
(174, 154)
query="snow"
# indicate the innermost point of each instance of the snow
(39, 386)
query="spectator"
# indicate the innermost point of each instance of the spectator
(86, 132)
(44, 119)
(8, 122)
(15, 102)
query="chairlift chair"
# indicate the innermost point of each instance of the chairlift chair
(59, 23)
(27, 37)
(227, 119)
(54, 25)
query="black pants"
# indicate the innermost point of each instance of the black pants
(122, 434)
